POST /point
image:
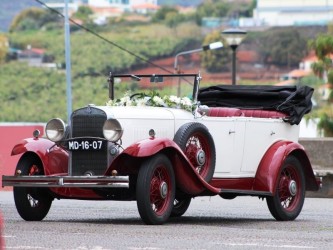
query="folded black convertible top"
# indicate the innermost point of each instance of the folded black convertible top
(295, 101)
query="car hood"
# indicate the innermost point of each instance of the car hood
(135, 112)
(138, 121)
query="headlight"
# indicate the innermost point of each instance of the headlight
(112, 130)
(55, 129)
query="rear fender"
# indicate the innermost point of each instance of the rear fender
(187, 178)
(270, 165)
(54, 159)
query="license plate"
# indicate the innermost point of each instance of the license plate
(86, 144)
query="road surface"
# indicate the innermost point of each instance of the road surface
(209, 223)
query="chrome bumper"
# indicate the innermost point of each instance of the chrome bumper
(66, 181)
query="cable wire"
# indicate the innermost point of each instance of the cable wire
(103, 38)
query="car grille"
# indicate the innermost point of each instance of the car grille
(88, 122)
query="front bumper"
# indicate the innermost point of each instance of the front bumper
(66, 181)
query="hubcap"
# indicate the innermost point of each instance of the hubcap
(201, 157)
(293, 187)
(164, 189)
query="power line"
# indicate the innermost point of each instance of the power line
(103, 38)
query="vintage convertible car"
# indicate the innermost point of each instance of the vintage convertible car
(163, 150)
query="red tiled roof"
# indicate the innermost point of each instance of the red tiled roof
(247, 56)
(311, 57)
(326, 86)
(297, 73)
(33, 51)
(105, 9)
(285, 83)
(147, 6)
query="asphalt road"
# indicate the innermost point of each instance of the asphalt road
(209, 223)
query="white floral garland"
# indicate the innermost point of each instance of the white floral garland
(154, 100)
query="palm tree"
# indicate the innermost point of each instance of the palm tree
(323, 47)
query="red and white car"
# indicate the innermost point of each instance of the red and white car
(162, 151)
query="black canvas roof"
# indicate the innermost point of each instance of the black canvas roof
(295, 101)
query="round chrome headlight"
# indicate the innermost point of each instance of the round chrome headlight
(55, 129)
(112, 130)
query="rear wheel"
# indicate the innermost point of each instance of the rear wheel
(31, 203)
(180, 206)
(288, 200)
(155, 190)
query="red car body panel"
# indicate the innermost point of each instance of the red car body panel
(187, 178)
(270, 165)
(55, 162)
(54, 158)
(2, 240)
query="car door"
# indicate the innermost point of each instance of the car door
(228, 134)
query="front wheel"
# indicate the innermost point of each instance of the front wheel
(31, 203)
(289, 196)
(155, 190)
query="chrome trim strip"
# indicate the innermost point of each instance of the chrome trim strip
(66, 181)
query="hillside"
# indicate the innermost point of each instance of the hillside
(9, 9)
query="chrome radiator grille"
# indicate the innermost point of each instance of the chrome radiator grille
(88, 122)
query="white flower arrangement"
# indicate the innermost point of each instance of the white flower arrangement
(154, 100)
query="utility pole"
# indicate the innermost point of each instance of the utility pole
(68, 64)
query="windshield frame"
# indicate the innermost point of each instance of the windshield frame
(138, 77)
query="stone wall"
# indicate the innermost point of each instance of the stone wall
(320, 151)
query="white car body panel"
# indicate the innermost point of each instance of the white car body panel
(239, 146)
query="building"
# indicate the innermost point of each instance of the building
(59, 5)
(32, 56)
(293, 12)
(108, 8)
(125, 5)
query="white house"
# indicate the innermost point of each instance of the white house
(293, 12)
(121, 4)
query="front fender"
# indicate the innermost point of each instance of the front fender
(187, 178)
(270, 165)
(54, 159)
(37, 145)
(150, 147)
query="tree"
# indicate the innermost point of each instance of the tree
(3, 48)
(32, 19)
(282, 47)
(323, 47)
(83, 13)
(162, 13)
(215, 60)
(173, 19)
(211, 8)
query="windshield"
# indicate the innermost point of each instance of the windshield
(139, 86)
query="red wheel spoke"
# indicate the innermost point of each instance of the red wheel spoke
(160, 176)
(288, 175)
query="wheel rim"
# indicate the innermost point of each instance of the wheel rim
(160, 190)
(34, 170)
(289, 189)
(197, 151)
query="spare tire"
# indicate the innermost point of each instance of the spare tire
(198, 145)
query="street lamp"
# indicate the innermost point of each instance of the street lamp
(211, 46)
(233, 37)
